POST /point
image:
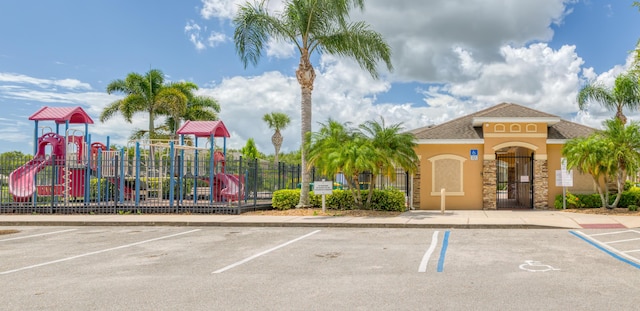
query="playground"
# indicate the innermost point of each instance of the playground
(70, 173)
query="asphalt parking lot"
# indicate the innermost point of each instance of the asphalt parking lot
(240, 268)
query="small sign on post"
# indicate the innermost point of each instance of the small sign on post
(323, 188)
(564, 179)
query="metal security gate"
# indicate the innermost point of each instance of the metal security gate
(514, 181)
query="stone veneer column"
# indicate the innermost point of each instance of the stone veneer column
(489, 186)
(540, 184)
(416, 188)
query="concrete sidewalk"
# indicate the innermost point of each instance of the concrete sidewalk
(410, 219)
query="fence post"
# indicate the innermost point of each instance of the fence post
(255, 182)
(239, 182)
(53, 182)
(116, 173)
(172, 170)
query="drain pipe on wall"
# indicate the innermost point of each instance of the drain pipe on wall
(442, 201)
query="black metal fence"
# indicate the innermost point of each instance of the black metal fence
(124, 183)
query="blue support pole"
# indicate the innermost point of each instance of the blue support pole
(87, 173)
(211, 168)
(181, 170)
(172, 170)
(137, 174)
(99, 175)
(35, 139)
(121, 179)
(224, 151)
(195, 171)
(86, 133)
(66, 126)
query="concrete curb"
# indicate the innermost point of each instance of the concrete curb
(63, 223)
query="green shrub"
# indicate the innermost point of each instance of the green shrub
(579, 201)
(388, 200)
(285, 199)
(629, 197)
(341, 199)
(384, 200)
(633, 208)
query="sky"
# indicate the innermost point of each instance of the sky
(450, 58)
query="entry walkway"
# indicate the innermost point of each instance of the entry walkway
(410, 219)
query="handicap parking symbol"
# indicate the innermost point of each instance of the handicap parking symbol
(473, 153)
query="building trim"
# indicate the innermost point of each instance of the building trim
(518, 134)
(515, 144)
(479, 121)
(449, 141)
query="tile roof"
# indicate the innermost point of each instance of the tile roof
(462, 128)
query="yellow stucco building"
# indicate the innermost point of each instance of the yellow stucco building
(503, 157)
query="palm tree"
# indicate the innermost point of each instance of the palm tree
(611, 154)
(589, 156)
(146, 93)
(199, 108)
(276, 121)
(312, 26)
(337, 147)
(625, 93)
(393, 149)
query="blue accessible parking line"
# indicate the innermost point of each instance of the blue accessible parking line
(432, 247)
(598, 245)
(443, 251)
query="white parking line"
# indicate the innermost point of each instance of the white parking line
(263, 253)
(37, 235)
(613, 232)
(96, 252)
(620, 241)
(427, 254)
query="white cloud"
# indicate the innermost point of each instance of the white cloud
(71, 84)
(426, 37)
(280, 49)
(193, 31)
(227, 9)
(216, 38)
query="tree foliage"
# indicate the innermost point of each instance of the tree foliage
(625, 93)
(311, 26)
(276, 121)
(609, 155)
(372, 147)
(250, 151)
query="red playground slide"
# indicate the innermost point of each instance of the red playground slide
(233, 188)
(21, 181)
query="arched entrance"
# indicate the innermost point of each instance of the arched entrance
(514, 178)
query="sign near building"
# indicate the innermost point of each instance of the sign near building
(564, 178)
(323, 187)
(473, 154)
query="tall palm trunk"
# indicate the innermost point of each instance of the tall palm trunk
(305, 75)
(276, 139)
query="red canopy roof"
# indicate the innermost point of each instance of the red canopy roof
(204, 129)
(75, 115)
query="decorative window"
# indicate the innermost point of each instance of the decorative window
(498, 128)
(447, 173)
(514, 128)
(532, 128)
